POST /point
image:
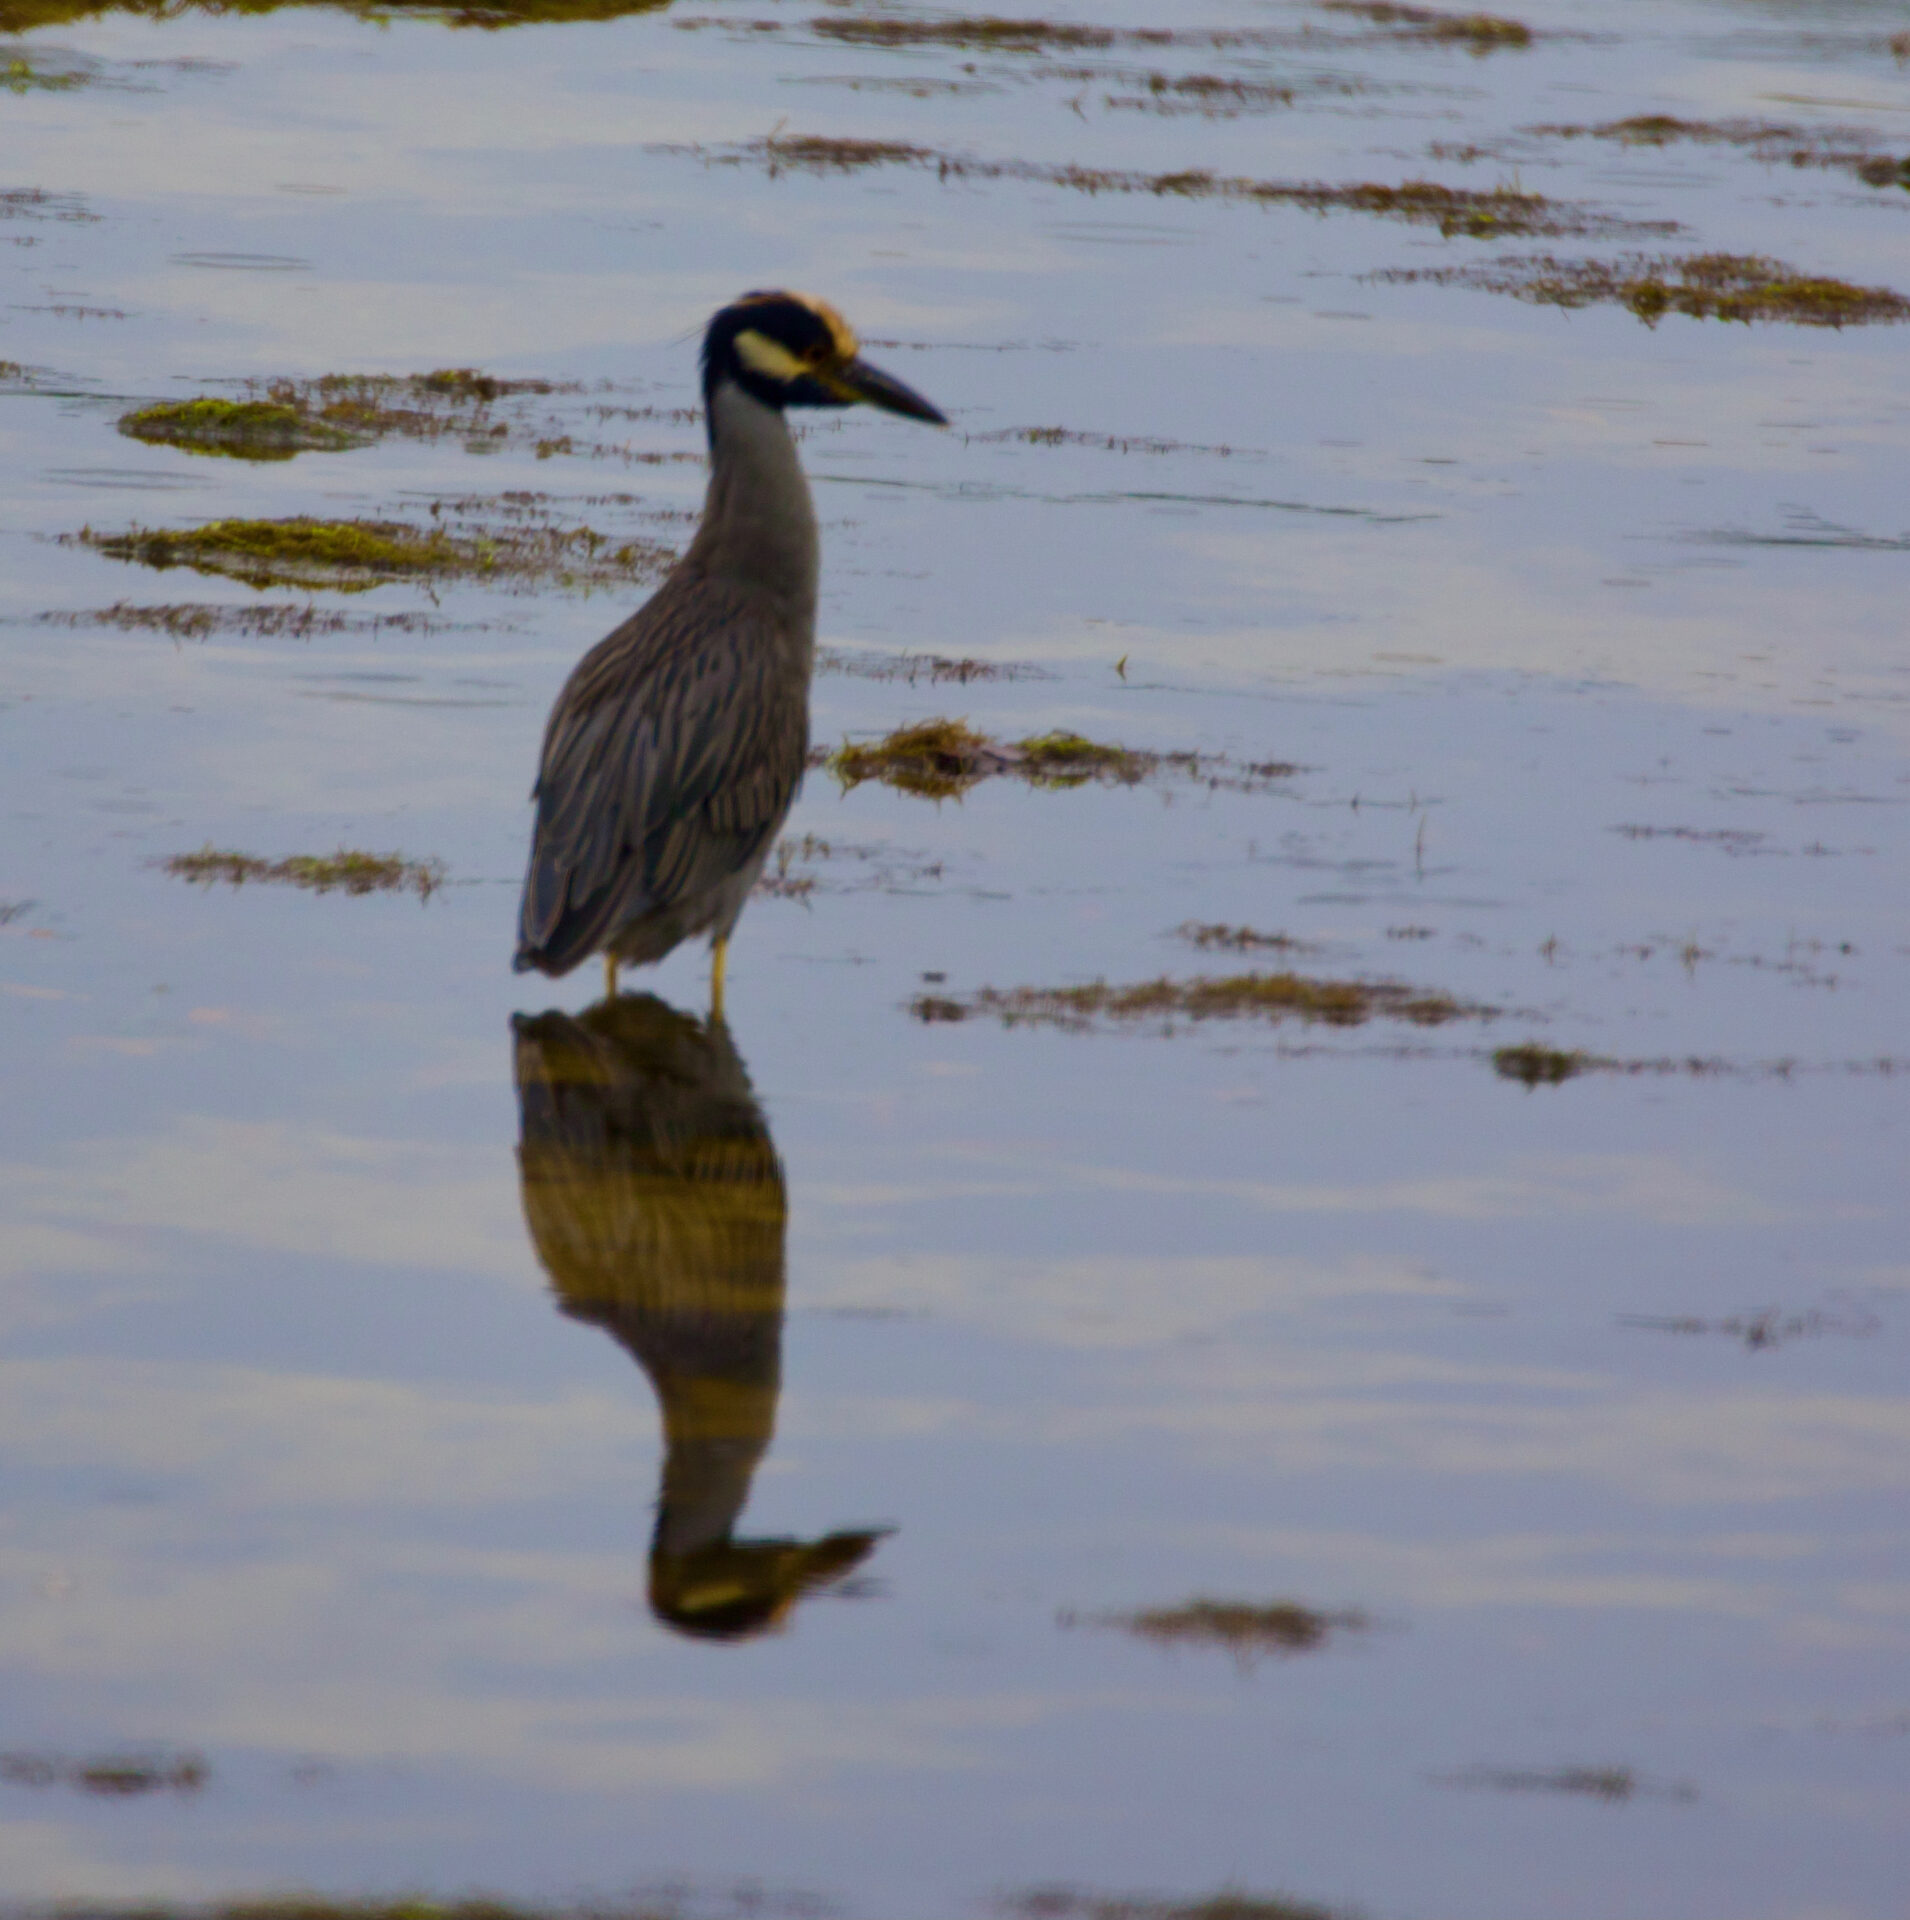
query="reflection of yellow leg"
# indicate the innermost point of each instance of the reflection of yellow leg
(610, 976)
(719, 957)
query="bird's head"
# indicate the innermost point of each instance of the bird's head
(793, 350)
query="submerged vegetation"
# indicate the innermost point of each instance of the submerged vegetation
(346, 871)
(351, 556)
(1475, 212)
(1240, 996)
(942, 759)
(1705, 286)
(1246, 1629)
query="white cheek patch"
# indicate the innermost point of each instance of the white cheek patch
(760, 354)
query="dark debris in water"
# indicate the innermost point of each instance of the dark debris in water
(1765, 1330)
(997, 33)
(1613, 1785)
(1705, 286)
(189, 620)
(943, 759)
(36, 203)
(934, 668)
(1231, 1903)
(1101, 442)
(1472, 212)
(113, 1776)
(1208, 935)
(1165, 1002)
(346, 871)
(1248, 1630)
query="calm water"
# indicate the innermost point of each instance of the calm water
(331, 1432)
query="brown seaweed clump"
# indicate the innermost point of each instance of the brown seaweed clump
(1614, 1785)
(346, 871)
(1769, 141)
(1478, 32)
(1208, 935)
(1535, 1066)
(1232, 1903)
(24, 16)
(1248, 1630)
(1474, 212)
(113, 1776)
(1705, 286)
(1240, 996)
(942, 759)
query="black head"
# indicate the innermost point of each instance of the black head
(792, 350)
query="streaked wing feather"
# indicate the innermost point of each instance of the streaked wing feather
(670, 756)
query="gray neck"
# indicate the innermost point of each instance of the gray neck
(759, 524)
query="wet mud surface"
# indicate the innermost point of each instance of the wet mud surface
(1283, 1293)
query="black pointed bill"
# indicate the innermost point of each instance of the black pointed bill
(860, 381)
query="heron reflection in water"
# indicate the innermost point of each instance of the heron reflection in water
(655, 1201)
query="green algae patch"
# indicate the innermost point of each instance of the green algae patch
(20, 75)
(234, 429)
(1248, 1630)
(1535, 1066)
(348, 555)
(352, 556)
(345, 871)
(1707, 286)
(1240, 996)
(943, 759)
(275, 419)
(1473, 212)
(1477, 32)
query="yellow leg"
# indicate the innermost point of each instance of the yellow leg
(610, 976)
(719, 958)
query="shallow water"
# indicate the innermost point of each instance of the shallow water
(1587, 639)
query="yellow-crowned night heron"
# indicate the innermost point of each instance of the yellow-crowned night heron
(674, 751)
(655, 1200)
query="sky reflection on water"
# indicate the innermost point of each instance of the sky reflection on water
(315, 1467)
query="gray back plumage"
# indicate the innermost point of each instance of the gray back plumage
(670, 760)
